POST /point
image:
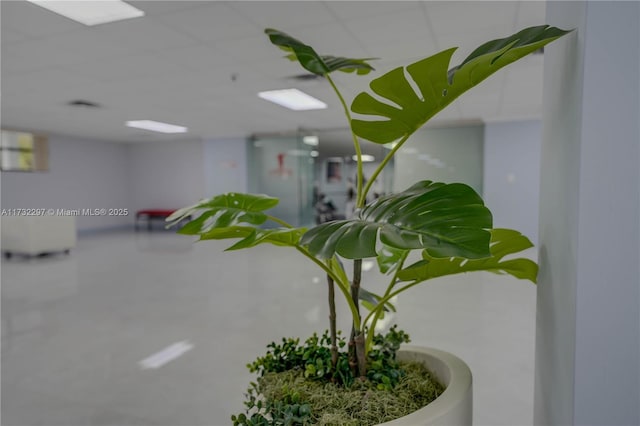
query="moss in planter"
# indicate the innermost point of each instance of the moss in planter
(359, 405)
(297, 386)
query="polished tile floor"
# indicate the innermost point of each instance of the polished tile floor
(151, 329)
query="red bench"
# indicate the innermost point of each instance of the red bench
(150, 215)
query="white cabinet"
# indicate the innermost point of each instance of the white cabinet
(33, 235)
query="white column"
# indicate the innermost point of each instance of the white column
(588, 319)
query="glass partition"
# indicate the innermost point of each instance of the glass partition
(453, 154)
(283, 167)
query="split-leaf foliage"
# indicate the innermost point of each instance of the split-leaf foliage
(447, 223)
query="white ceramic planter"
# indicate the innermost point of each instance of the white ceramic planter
(455, 406)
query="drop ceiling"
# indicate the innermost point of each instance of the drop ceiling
(200, 64)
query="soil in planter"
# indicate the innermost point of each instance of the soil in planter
(360, 405)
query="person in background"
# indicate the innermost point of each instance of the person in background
(351, 199)
(325, 209)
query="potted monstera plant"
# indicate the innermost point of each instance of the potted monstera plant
(429, 230)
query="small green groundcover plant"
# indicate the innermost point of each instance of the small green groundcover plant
(298, 386)
(446, 224)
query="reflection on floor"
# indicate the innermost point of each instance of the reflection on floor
(151, 329)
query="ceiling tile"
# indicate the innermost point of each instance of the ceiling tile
(249, 50)
(125, 68)
(13, 36)
(65, 49)
(144, 34)
(459, 17)
(44, 81)
(346, 10)
(330, 39)
(279, 67)
(163, 7)
(201, 58)
(33, 21)
(530, 13)
(522, 91)
(450, 114)
(523, 81)
(372, 31)
(283, 14)
(215, 22)
(481, 107)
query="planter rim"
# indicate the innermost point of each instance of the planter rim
(452, 372)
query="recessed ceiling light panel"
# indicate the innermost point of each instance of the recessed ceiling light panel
(156, 126)
(311, 140)
(91, 12)
(293, 99)
(366, 158)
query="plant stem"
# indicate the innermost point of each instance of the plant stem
(357, 355)
(377, 311)
(355, 284)
(344, 287)
(360, 355)
(382, 165)
(389, 296)
(356, 145)
(356, 342)
(332, 323)
(279, 221)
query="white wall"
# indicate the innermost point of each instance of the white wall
(225, 166)
(94, 174)
(82, 174)
(166, 175)
(588, 342)
(511, 175)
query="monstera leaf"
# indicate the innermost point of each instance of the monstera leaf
(223, 211)
(313, 62)
(406, 111)
(251, 237)
(389, 258)
(504, 242)
(445, 219)
(227, 216)
(370, 300)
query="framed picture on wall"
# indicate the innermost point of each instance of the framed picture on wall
(334, 171)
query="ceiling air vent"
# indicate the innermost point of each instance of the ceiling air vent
(83, 104)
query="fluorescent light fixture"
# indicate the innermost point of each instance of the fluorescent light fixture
(314, 153)
(293, 99)
(311, 140)
(366, 158)
(156, 126)
(91, 12)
